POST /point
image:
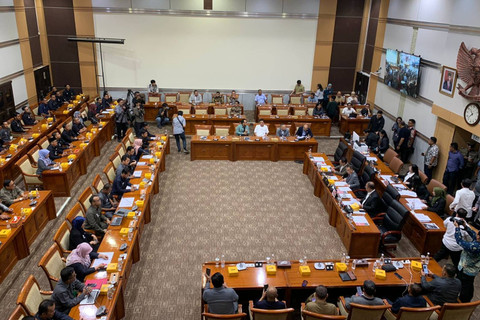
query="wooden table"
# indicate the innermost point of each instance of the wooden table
(358, 124)
(151, 108)
(360, 241)
(16, 246)
(319, 126)
(210, 119)
(238, 148)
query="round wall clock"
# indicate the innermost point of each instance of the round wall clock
(472, 114)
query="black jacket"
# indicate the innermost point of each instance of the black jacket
(372, 204)
(16, 126)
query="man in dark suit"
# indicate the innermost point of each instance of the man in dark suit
(304, 132)
(53, 103)
(376, 123)
(352, 178)
(371, 201)
(16, 124)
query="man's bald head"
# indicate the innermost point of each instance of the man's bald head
(271, 293)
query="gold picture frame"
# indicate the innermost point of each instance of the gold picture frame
(448, 81)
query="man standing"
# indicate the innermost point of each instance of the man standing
(402, 147)
(179, 124)
(260, 98)
(450, 247)
(317, 302)
(464, 198)
(299, 88)
(454, 164)
(431, 157)
(269, 300)
(121, 119)
(413, 135)
(69, 291)
(469, 265)
(139, 117)
(220, 299)
(442, 289)
(376, 123)
(470, 159)
(94, 220)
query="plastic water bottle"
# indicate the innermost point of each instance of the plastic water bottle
(268, 259)
(120, 264)
(38, 194)
(223, 261)
(343, 258)
(382, 260)
(130, 235)
(375, 265)
(217, 260)
(427, 258)
(273, 259)
(110, 292)
(305, 260)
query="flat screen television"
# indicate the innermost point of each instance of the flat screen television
(402, 72)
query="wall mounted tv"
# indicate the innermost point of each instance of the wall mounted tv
(402, 72)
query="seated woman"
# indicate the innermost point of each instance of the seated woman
(318, 110)
(383, 142)
(81, 258)
(78, 235)
(412, 172)
(139, 151)
(438, 201)
(420, 188)
(44, 162)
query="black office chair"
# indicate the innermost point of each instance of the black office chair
(393, 192)
(366, 176)
(390, 226)
(340, 152)
(358, 160)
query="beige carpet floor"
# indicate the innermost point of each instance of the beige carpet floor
(244, 210)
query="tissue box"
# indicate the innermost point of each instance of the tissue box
(142, 185)
(275, 139)
(83, 145)
(64, 165)
(341, 267)
(139, 203)
(75, 102)
(70, 105)
(416, 265)
(49, 119)
(65, 111)
(2, 161)
(112, 267)
(158, 154)
(26, 211)
(304, 270)
(271, 269)
(355, 206)
(380, 274)
(102, 123)
(5, 232)
(131, 215)
(330, 181)
(232, 271)
(104, 288)
(44, 127)
(124, 231)
(35, 135)
(324, 169)
(77, 97)
(33, 193)
(72, 157)
(148, 175)
(164, 138)
(13, 147)
(88, 135)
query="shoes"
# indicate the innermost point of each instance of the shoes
(179, 150)
(186, 152)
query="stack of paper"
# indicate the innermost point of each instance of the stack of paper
(371, 159)
(399, 186)
(99, 261)
(422, 218)
(332, 177)
(340, 184)
(344, 189)
(415, 203)
(360, 221)
(407, 193)
(126, 202)
(137, 174)
(318, 159)
(387, 177)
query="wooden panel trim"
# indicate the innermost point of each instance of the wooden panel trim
(454, 118)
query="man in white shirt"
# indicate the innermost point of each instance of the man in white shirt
(450, 247)
(350, 98)
(261, 130)
(195, 98)
(464, 198)
(260, 98)
(348, 110)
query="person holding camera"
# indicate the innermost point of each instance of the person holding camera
(139, 117)
(450, 247)
(469, 265)
(121, 119)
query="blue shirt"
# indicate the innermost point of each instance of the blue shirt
(260, 99)
(470, 257)
(42, 109)
(409, 302)
(312, 100)
(455, 161)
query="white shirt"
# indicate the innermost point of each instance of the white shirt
(261, 131)
(349, 99)
(319, 94)
(449, 236)
(347, 111)
(408, 176)
(366, 197)
(463, 199)
(195, 99)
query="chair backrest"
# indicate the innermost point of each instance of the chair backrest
(309, 315)
(367, 174)
(296, 99)
(416, 313)
(435, 183)
(62, 238)
(341, 151)
(389, 155)
(448, 202)
(201, 110)
(183, 96)
(130, 135)
(283, 111)
(392, 191)
(358, 161)
(277, 314)
(18, 314)
(203, 129)
(299, 111)
(115, 159)
(220, 111)
(264, 111)
(52, 263)
(423, 176)
(362, 312)
(109, 172)
(30, 297)
(76, 211)
(171, 97)
(120, 149)
(84, 198)
(185, 109)
(395, 218)
(396, 165)
(43, 143)
(222, 130)
(29, 173)
(126, 142)
(277, 99)
(33, 154)
(458, 311)
(97, 183)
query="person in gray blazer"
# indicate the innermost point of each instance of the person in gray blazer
(220, 299)
(352, 178)
(341, 169)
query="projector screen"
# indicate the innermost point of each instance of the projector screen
(206, 53)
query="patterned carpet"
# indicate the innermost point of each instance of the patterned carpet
(244, 210)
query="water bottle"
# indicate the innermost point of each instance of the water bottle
(305, 260)
(427, 258)
(273, 259)
(268, 260)
(110, 292)
(354, 264)
(120, 264)
(343, 258)
(382, 259)
(310, 153)
(375, 265)
(130, 235)
(38, 194)
(223, 261)
(217, 260)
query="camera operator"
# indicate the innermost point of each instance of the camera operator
(450, 247)
(469, 264)
(138, 117)
(121, 120)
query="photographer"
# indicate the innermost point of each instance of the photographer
(469, 264)
(121, 119)
(138, 117)
(450, 247)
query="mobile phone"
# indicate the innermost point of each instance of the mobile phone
(93, 285)
(359, 290)
(208, 271)
(304, 283)
(425, 269)
(265, 287)
(398, 275)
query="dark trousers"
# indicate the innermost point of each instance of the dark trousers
(138, 126)
(121, 130)
(466, 294)
(428, 172)
(444, 253)
(184, 140)
(404, 154)
(450, 181)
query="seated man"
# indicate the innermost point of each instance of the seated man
(283, 132)
(108, 204)
(341, 169)
(269, 300)
(195, 98)
(413, 299)
(317, 302)
(348, 110)
(366, 298)
(68, 135)
(78, 127)
(124, 165)
(16, 124)
(27, 117)
(233, 98)
(10, 193)
(162, 116)
(62, 144)
(352, 178)
(94, 220)
(366, 112)
(243, 129)
(5, 132)
(131, 154)
(69, 291)
(261, 130)
(46, 311)
(53, 104)
(220, 299)
(371, 201)
(68, 93)
(311, 98)
(217, 98)
(121, 184)
(260, 98)
(442, 289)
(60, 98)
(304, 132)
(55, 151)
(146, 138)
(43, 108)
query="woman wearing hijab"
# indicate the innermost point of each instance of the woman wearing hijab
(139, 151)
(78, 235)
(437, 204)
(81, 258)
(44, 162)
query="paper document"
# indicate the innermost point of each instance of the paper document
(340, 184)
(137, 174)
(126, 202)
(407, 193)
(344, 189)
(350, 202)
(387, 177)
(371, 159)
(318, 159)
(422, 218)
(415, 203)
(99, 261)
(332, 178)
(148, 156)
(399, 186)
(141, 163)
(360, 221)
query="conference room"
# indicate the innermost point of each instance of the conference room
(239, 159)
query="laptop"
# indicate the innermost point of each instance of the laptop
(116, 221)
(122, 212)
(91, 298)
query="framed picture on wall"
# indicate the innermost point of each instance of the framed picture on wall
(449, 81)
